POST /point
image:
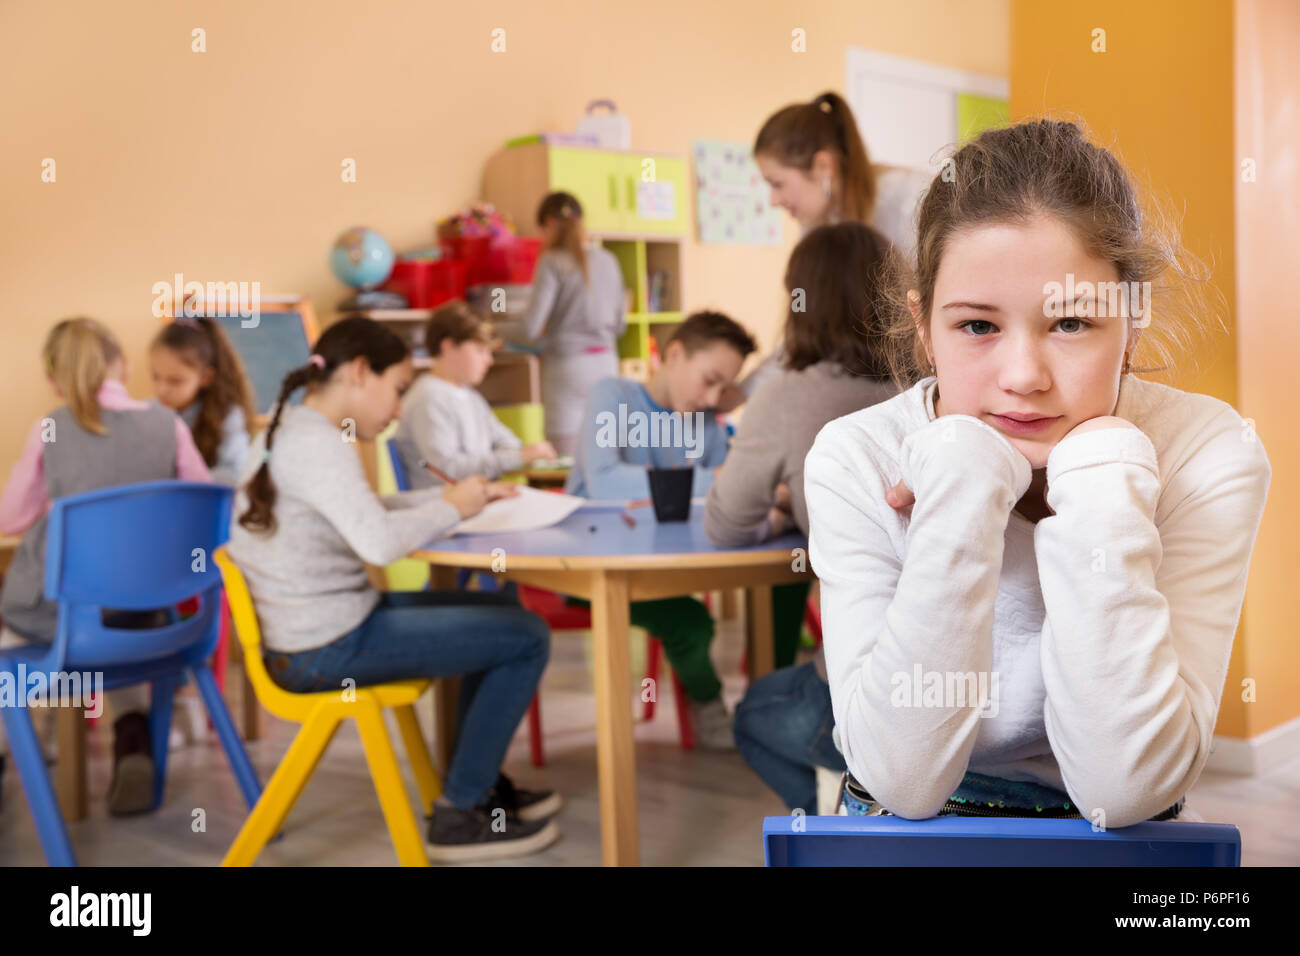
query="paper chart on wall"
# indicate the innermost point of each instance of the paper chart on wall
(732, 201)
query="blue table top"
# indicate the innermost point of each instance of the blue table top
(598, 530)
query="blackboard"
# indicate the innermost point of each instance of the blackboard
(274, 347)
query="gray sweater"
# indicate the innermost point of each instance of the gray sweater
(781, 422)
(308, 578)
(568, 314)
(452, 427)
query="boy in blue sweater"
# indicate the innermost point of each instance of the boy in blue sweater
(670, 422)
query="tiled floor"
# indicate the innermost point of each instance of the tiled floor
(695, 808)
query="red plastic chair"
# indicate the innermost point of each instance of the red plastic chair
(561, 617)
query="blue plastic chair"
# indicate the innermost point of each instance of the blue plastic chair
(993, 841)
(132, 547)
(403, 482)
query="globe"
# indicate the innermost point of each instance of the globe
(361, 258)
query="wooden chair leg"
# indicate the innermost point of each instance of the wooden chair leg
(70, 770)
(426, 778)
(388, 784)
(282, 790)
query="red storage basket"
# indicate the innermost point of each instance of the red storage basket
(519, 259)
(413, 279)
(446, 281)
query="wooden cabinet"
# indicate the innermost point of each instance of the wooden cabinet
(635, 204)
(623, 194)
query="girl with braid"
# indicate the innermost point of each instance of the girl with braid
(307, 524)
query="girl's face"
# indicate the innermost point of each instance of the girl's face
(697, 380)
(998, 349)
(375, 398)
(176, 382)
(465, 363)
(801, 193)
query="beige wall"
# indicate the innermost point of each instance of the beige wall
(225, 165)
(1268, 341)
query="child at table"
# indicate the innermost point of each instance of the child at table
(622, 426)
(834, 363)
(307, 525)
(1068, 539)
(100, 438)
(445, 420)
(577, 312)
(198, 374)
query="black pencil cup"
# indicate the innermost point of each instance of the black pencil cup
(670, 490)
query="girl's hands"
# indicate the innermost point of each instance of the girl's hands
(1098, 423)
(783, 498)
(779, 522)
(468, 496)
(496, 490)
(900, 497)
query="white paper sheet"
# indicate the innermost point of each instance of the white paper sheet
(529, 510)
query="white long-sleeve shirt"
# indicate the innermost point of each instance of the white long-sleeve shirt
(453, 428)
(1103, 631)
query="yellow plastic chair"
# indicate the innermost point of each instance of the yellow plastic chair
(320, 715)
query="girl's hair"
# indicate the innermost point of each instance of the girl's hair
(202, 344)
(77, 355)
(567, 211)
(345, 340)
(794, 134)
(458, 322)
(1047, 167)
(833, 279)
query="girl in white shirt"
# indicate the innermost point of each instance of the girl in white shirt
(1016, 609)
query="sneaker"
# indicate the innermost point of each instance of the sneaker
(525, 804)
(711, 724)
(470, 836)
(133, 771)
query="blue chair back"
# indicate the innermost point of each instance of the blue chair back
(993, 841)
(135, 547)
(400, 478)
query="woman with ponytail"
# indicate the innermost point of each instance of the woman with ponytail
(816, 163)
(198, 374)
(307, 525)
(577, 312)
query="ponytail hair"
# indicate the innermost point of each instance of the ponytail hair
(202, 344)
(794, 134)
(344, 341)
(77, 355)
(565, 209)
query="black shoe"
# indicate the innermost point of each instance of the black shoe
(131, 791)
(485, 833)
(524, 804)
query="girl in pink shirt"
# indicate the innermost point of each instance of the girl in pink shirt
(101, 437)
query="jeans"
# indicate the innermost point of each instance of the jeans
(499, 649)
(783, 730)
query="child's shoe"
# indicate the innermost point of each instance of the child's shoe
(525, 804)
(711, 724)
(133, 771)
(484, 833)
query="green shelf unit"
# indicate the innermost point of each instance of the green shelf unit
(638, 258)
